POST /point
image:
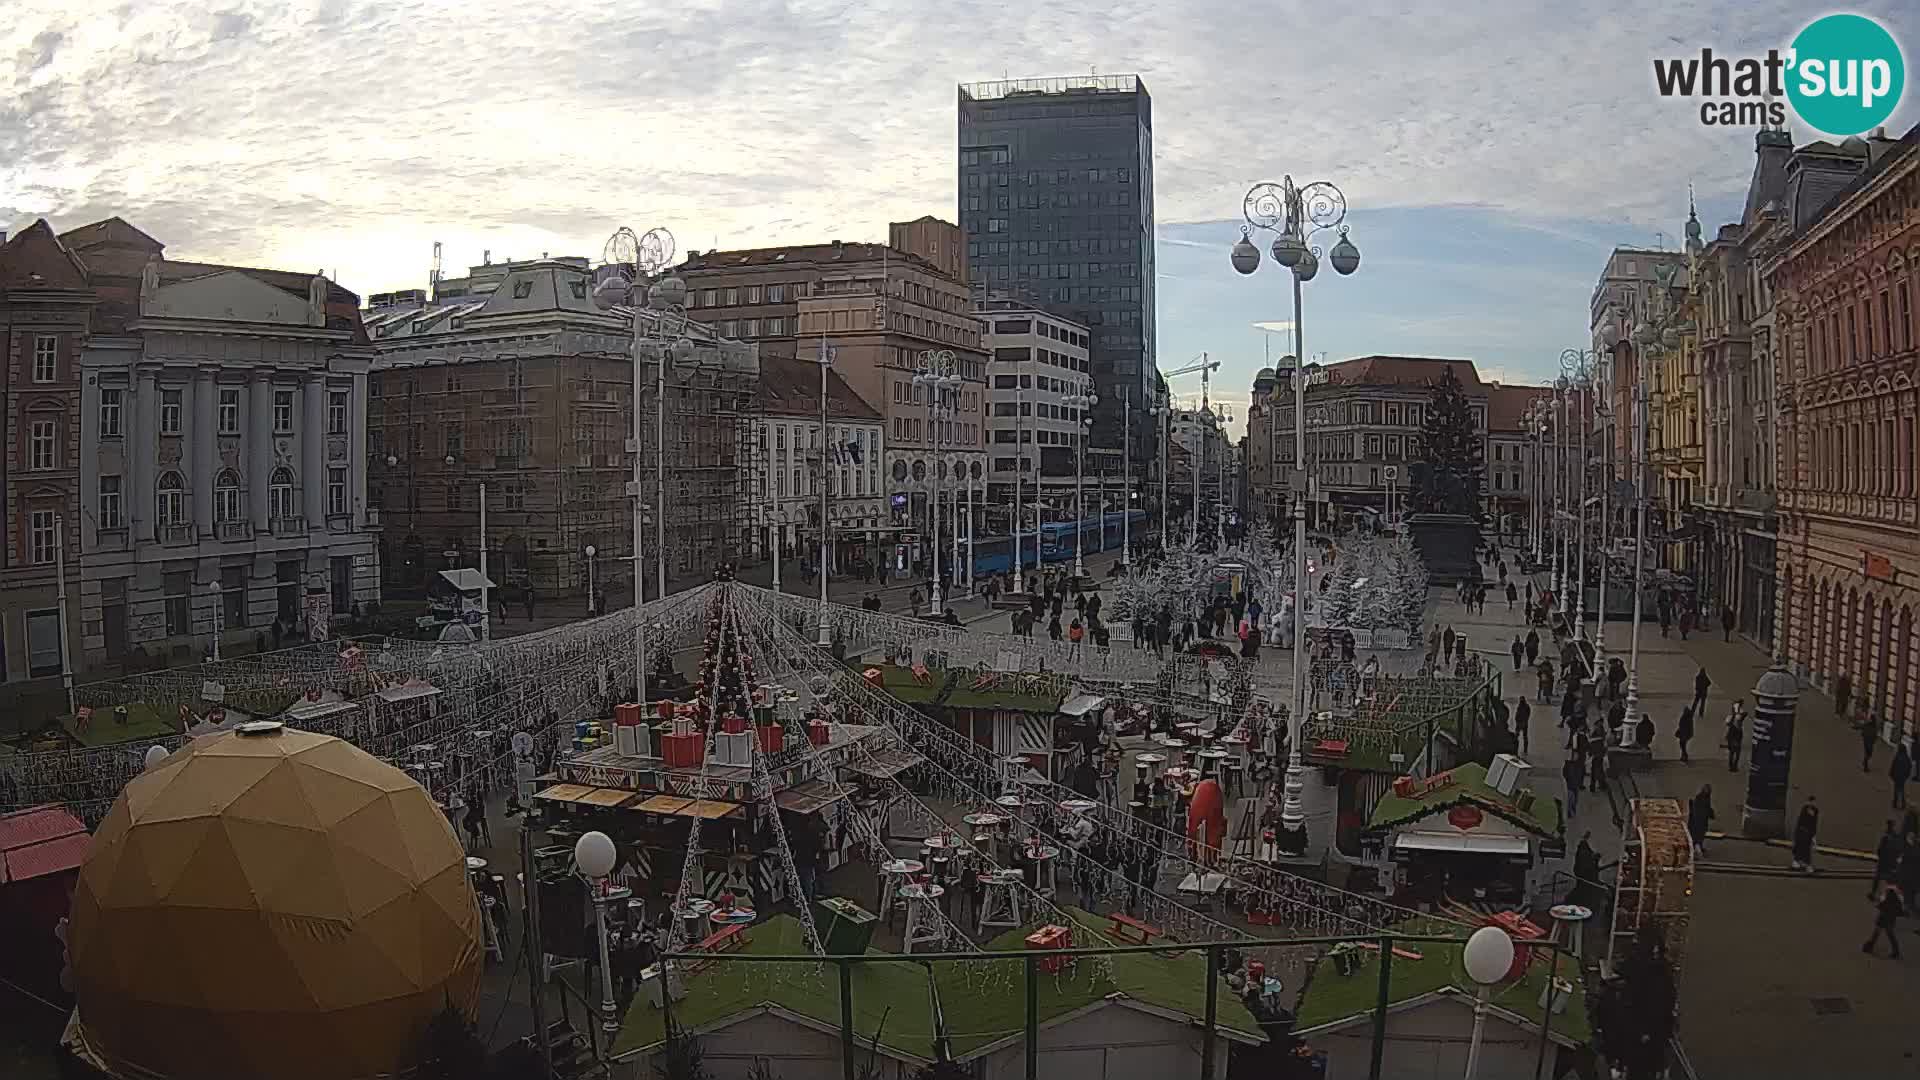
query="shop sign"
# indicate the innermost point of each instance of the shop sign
(1465, 817)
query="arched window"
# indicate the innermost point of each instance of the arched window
(281, 501)
(170, 503)
(226, 496)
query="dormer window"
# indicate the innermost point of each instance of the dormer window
(522, 289)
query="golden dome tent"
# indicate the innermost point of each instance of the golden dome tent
(271, 902)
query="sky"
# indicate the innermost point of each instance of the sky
(1491, 154)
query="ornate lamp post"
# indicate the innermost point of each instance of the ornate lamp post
(1084, 403)
(1577, 367)
(1294, 215)
(594, 856)
(626, 279)
(591, 552)
(1643, 336)
(939, 380)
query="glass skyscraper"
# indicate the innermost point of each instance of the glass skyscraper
(1056, 199)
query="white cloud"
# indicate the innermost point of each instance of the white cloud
(352, 134)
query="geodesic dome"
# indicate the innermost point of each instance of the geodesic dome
(275, 904)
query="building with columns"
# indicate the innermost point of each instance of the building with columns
(45, 306)
(1844, 281)
(223, 452)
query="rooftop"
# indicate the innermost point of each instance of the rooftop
(838, 251)
(1402, 371)
(955, 688)
(1467, 785)
(790, 387)
(1061, 84)
(1331, 998)
(1506, 405)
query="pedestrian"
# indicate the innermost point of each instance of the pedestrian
(916, 600)
(1446, 642)
(529, 603)
(1686, 621)
(1886, 860)
(1597, 765)
(1533, 645)
(1666, 621)
(1546, 681)
(1734, 736)
(1529, 593)
(1683, 732)
(1512, 595)
(1700, 686)
(1726, 623)
(1900, 772)
(1868, 737)
(1909, 872)
(1886, 916)
(1522, 712)
(1805, 828)
(1519, 652)
(1842, 695)
(1574, 773)
(1053, 626)
(1643, 733)
(1699, 814)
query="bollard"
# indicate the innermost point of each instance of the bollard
(1775, 698)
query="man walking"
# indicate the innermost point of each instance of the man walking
(1533, 646)
(1683, 732)
(1886, 860)
(1734, 736)
(1887, 915)
(1700, 686)
(1900, 772)
(1842, 695)
(1699, 815)
(1575, 774)
(1726, 623)
(1869, 735)
(1519, 652)
(1512, 595)
(1521, 714)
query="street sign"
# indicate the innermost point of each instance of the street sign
(1393, 472)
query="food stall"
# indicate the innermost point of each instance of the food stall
(1472, 834)
(1012, 714)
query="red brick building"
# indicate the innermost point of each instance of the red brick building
(1846, 285)
(45, 306)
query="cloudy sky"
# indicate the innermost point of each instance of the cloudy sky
(1490, 158)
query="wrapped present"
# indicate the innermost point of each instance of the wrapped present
(627, 715)
(1404, 786)
(1050, 938)
(683, 750)
(733, 724)
(762, 713)
(874, 678)
(733, 748)
(773, 738)
(664, 709)
(683, 723)
(818, 732)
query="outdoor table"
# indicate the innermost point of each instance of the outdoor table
(1570, 916)
(475, 862)
(894, 874)
(1078, 806)
(918, 891)
(1044, 863)
(1210, 761)
(982, 820)
(1148, 761)
(941, 842)
(693, 913)
(732, 917)
(1015, 801)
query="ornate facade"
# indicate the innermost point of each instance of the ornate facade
(1849, 546)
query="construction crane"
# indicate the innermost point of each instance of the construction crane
(1205, 367)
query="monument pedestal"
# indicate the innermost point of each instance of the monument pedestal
(1449, 545)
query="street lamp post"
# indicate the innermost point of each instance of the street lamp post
(219, 618)
(1576, 364)
(1295, 214)
(1164, 411)
(1643, 336)
(1084, 403)
(936, 376)
(630, 259)
(825, 637)
(591, 552)
(1126, 482)
(594, 855)
(1019, 474)
(1221, 419)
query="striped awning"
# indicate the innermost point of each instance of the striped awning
(810, 797)
(884, 764)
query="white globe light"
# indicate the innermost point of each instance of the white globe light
(591, 551)
(1488, 955)
(156, 755)
(593, 853)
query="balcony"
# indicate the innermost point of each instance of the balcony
(176, 535)
(234, 530)
(290, 526)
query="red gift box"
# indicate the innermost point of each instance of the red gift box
(875, 678)
(664, 708)
(818, 732)
(1049, 938)
(733, 725)
(626, 715)
(772, 738)
(1403, 786)
(683, 751)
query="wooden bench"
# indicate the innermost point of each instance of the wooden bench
(1124, 927)
(720, 941)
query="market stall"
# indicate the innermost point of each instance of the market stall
(1468, 835)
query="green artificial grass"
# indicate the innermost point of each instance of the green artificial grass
(982, 1002)
(1469, 786)
(143, 722)
(953, 689)
(1331, 996)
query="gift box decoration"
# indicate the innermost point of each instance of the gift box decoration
(733, 748)
(1048, 939)
(818, 733)
(773, 738)
(626, 715)
(733, 724)
(683, 750)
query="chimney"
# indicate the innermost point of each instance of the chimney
(486, 256)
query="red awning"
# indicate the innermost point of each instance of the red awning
(39, 860)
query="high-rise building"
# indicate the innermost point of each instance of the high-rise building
(1056, 200)
(1039, 361)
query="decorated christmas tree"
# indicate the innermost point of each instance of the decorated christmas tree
(1448, 456)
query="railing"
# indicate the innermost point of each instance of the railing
(995, 971)
(289, 526)
(235, 530)
(176, 535)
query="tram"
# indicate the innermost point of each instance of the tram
(994, 555)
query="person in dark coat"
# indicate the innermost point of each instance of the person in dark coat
(1887, 916)
(1597, 767)
(1643, 733)
(1699, 815)
(1683, 731)
(1575, 774)
(1700, 686)
(1533, 646)
(1522, 712)
(1732, 739)
(1519, 651)
(1886, 860)
(1900, 772)
(1869, 738)
(1805, 828)
(1842, 695)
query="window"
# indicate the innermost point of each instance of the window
(456, 437)
(336, 492)
(751, 328)
(170, 502)
(337, 413)
(775, 326)
(46, 358)
(110, 413)
(286, 576)
(456, 497)
(40, 537)
(45, 651)
(233, 596)
(732, 296)
(169, 412)
(753, 294)
(178, 589)
(109, 504)
(280, 501)
(41, 443)
(776, 294)
(522, 289)
(515, 495)
(340, 570)
(226, 496)
(283, 410)
(113, 616)
(229, 412)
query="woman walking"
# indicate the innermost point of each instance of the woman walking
(1683, 732)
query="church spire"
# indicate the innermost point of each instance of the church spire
(1694, 243)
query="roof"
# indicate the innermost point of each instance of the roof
(837, 251)
(1506, 405)
(24, 828)
(1332, 1000)
(1403, 371)
(1463, 785)
(49, 857)
(791, 387)
(977, 1012)
(953, 688)
(34, 258)
(467, 579)
(1902, 147)
(111, 232)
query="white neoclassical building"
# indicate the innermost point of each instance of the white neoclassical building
(223, 465)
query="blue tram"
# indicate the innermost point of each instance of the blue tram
(994, 555)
